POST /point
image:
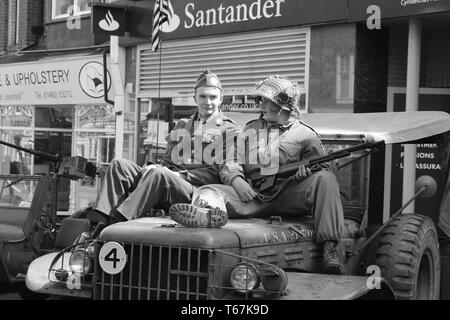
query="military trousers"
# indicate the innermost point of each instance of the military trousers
(134, 190)
(317, 195)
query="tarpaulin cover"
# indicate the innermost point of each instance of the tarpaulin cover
(392, 127)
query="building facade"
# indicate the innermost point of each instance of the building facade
(348, 56)
(52, 92)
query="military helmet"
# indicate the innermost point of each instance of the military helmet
(280, 90)
(208, 79)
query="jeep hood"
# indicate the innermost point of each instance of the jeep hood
(166, 232)
(236, 233)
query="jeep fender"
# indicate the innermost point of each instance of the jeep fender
(37, 279)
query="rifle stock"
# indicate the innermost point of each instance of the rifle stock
(290, 169)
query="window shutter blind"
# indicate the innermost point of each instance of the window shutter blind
(240, 60)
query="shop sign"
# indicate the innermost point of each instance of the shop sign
(427, 164)
(395, 8)
(194, 18)
(53, 82)
(108, 19)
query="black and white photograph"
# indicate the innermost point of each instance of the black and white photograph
(229, 157)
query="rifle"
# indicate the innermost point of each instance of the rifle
(71, 167)
(267, 191)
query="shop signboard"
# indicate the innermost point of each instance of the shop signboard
(427, 164)
(357, 9)
(53, 82)
(108, 19)
(428, 160)
(196, 18)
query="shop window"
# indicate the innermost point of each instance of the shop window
(13, 161)
(95, 141)
(54, 117)
(64, 8)
(98, 148)
(94, 117)
(16, 116)
(54, 143)
(344, 78)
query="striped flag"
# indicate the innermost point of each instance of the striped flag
(160, 15)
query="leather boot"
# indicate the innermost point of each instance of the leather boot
(331, 262)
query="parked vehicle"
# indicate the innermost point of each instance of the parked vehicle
(388, 254)
(29, 227)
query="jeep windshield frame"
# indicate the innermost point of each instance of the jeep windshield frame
(17, 190)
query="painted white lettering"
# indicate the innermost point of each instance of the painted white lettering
(238, 15)
(255, 5)
(210, 17)
(230, 15)
(200, 22)
(278, 14)
(268, 5)
(189, 15)
(220, 9)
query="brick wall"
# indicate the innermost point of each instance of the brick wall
(30, 15)
(3, 26)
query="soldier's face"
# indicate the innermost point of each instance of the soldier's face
(208, 100)
(270, 111)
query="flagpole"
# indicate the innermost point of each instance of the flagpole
(159, 98)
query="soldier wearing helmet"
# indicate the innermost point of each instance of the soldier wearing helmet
(129, 191)
(315, 193)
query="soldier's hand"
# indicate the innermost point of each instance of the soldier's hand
(303, 172)
(243, 189)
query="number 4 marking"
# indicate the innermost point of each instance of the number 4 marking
(112, 257)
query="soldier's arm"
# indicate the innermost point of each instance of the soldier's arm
(313, 149)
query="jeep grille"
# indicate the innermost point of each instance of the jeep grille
(156, 273)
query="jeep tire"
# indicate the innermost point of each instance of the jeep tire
(409, 259)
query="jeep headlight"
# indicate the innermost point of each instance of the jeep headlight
(80, 261)
(244, 277)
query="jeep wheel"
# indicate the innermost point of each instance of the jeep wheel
(408, 255)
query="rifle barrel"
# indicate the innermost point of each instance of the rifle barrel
(291, 168)
(40, 154)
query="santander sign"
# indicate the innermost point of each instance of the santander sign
(224, 14)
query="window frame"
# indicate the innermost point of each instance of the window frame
(75, 12)
(349, 72)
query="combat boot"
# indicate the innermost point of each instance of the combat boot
(331, 263)
(198, 215)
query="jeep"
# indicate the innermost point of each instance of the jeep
(388, 253)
